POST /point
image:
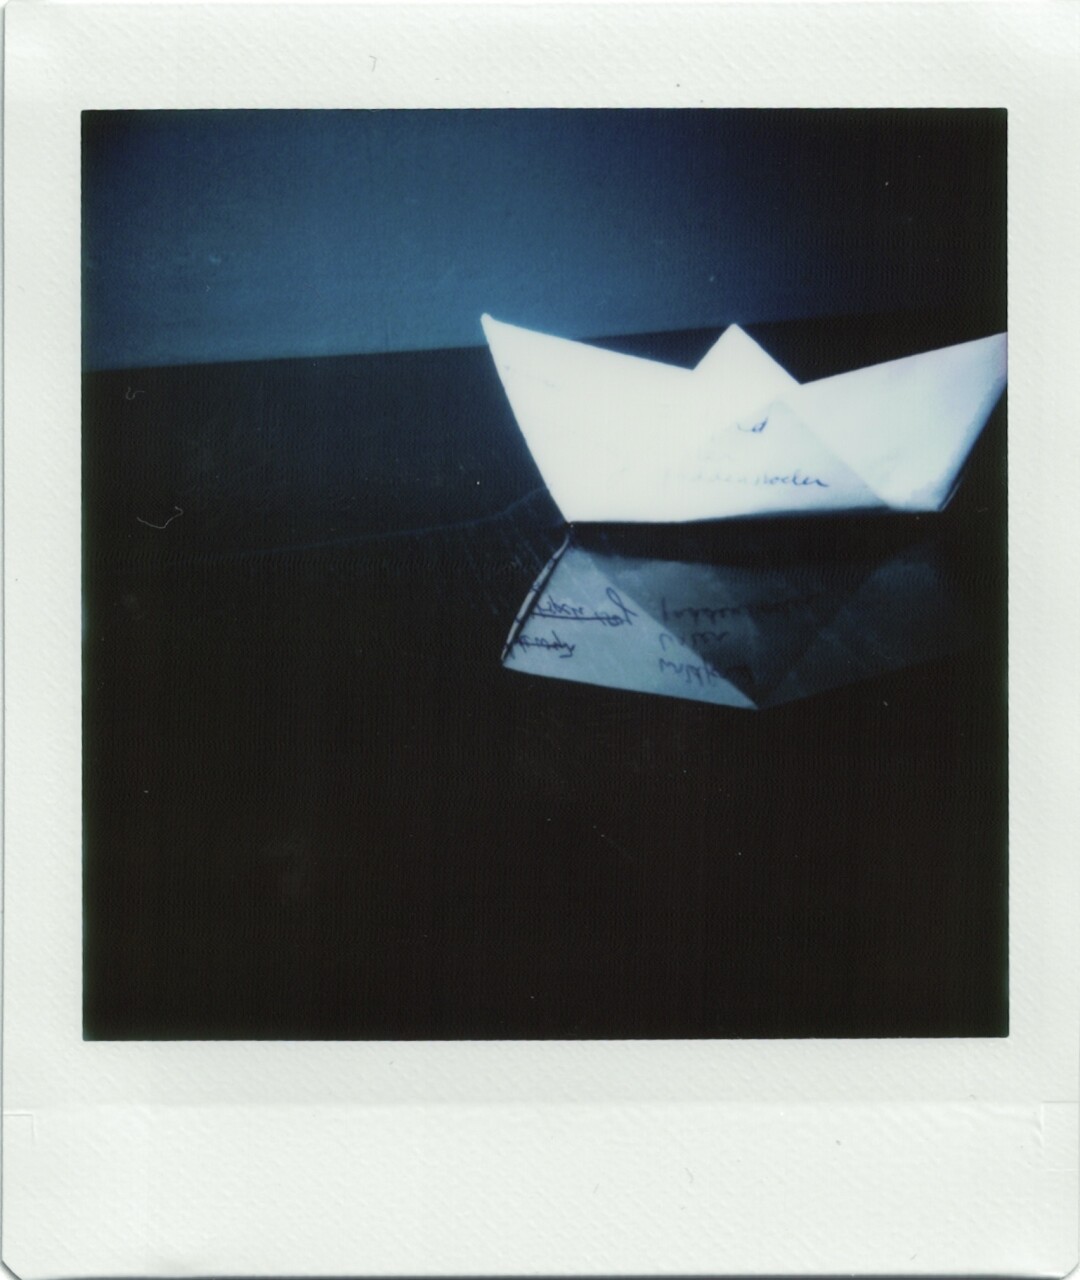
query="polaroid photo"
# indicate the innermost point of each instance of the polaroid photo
(540, 694)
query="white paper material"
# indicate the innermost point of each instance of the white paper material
(619, 438)
(733, 635)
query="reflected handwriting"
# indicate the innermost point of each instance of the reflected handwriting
(552, 643)
(696, 614)
(621, 616)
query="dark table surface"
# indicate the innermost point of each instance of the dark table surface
(317, 806)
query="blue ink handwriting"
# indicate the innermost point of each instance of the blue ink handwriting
(553, 643)
(621, 616)
(696, 614)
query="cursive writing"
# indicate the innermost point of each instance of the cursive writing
(552, 643)
(620, 616)
(696, 614)
(696, 640)
(794, 479)
(702, 674)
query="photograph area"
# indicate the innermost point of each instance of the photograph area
(544, 574)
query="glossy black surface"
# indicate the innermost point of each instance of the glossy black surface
(316, 806)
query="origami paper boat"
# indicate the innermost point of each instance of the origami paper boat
(734, 635)
(620, 438)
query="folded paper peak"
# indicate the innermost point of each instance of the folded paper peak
(620, 438)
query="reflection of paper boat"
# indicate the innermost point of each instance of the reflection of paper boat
(619, 438)
(733, 635)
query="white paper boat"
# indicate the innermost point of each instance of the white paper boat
(620, 438)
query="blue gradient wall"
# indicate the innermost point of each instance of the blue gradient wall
(222, 235)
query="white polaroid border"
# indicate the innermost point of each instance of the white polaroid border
(941, 1157)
